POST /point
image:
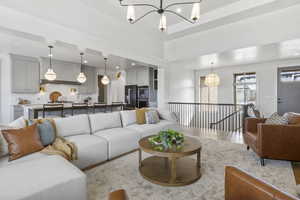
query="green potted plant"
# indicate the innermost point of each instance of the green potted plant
(165, 140)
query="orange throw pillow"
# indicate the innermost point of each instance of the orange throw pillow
(140, 116)
(22, 141)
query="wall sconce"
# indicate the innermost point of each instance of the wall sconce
(73, 91)
(42, 90)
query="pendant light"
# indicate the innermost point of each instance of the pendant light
(163, 23)
(50, 75)
(131, 14)
(212, 79)
(81, 77)
(105, 80)
(195, 15)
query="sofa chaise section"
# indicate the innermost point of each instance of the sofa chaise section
(48, 178)
(120, 140)
(92, 150)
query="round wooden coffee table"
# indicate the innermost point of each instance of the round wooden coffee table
(171, 167)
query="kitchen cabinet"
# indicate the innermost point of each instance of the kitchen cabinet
(89, 87)
(137, 76)
(25, 74)
(65, 71)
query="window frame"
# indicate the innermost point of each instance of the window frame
(235, 84)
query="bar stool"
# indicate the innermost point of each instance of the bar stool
(80, 106)
(115, 104)
(99, 105)
(53, 107)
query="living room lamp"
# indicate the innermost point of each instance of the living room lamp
(212, 79)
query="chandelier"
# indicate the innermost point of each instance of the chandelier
(212, 79)
(50, 74)
(81, 77)
(161, 10)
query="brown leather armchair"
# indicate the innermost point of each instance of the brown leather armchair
(238, 186)
(241, 186)
(279, 142)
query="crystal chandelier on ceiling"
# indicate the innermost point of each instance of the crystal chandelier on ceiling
(162, 10)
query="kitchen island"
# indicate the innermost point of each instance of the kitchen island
(34, 111)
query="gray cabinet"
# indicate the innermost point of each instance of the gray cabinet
(137, 76)
(25, 74)
(65, 71)
(89, 87)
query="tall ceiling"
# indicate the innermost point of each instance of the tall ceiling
(87, 17)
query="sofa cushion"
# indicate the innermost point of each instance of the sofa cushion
(140, 115)
(4, 160)
(128, 117)
(152, 129)
(22, 141)
(167, 115)
(101, 121)
(91, 150)
(47, 178)
(75, 125)
(293, 118)
(46, 129)
(152, 117)
(276, 119)
(18, 123)
(120, 140)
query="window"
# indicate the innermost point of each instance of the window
(290, 75)
(208, 95)
(245, 88)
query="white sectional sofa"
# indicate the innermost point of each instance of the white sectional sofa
(98, 137)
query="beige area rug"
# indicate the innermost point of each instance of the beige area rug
(216, 154)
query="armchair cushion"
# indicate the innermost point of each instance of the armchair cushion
(251, 124)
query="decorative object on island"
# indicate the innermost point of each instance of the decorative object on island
(161, 10)
(81, 77)
(212, 79)
(105, 80)
(50, 75)
(165, 140)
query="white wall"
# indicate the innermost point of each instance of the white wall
(266, 82)
(180, 84)
(6, 97)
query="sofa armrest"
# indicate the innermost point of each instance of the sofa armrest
(279, 141)
(241, 186)
(251, 124)
(118, 195)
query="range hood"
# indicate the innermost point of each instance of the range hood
(45, 81)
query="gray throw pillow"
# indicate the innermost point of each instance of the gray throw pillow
(46, 131)
(152, 117)
(276, 119)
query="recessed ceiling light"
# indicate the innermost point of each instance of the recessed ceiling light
(178, 10)
(133, 64)
(117, 67)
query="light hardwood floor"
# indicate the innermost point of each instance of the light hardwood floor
(234, 137)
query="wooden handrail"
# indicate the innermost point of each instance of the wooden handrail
(216, 104)
(228, 116)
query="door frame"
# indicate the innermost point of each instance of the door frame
(279, 69)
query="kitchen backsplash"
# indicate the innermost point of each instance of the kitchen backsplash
(49, 88)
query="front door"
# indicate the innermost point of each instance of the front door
(288, 90)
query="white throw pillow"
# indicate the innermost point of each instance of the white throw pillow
(167, 115)
(128, 117)
(276, 119)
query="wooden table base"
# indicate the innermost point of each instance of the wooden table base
(170, 172)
